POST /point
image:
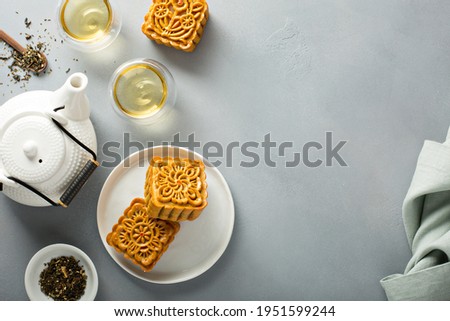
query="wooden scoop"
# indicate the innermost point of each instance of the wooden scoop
(18, 47)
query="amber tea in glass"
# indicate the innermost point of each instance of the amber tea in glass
(141, 89)
(88, 25)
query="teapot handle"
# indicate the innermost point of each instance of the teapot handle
(6, 181)
(86, 172)
(78, 183)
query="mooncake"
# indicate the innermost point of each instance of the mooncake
(140, 238)
(176, 23)
(175, 189)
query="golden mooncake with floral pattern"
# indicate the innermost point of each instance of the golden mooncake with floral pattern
(176, 23)
(140, 238)
(175, 189)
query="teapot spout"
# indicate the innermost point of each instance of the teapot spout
(72, 95)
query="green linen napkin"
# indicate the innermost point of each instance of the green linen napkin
(426, 216)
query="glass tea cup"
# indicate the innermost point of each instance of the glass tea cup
(142, 90)
(88, 25)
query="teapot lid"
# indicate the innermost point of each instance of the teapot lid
(32, 148)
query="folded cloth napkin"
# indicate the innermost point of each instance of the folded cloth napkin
(426, 216)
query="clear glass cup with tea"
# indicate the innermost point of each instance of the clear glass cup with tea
(142, 91)
(88, 25)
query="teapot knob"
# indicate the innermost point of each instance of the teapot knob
(30, 149)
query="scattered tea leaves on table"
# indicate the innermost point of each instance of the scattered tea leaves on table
(27, 23)
(39, 38)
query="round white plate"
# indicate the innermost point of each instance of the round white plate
(37, 265)
(198, 244)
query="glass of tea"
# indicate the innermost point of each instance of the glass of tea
(142, 90)
(88, 25)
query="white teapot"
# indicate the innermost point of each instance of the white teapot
(47, 144)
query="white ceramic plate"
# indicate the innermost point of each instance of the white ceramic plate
(37, 265)
(198, 244)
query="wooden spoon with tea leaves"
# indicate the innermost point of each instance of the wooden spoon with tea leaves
(30, 59)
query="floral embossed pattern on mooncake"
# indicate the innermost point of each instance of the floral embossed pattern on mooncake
(141, 238)
(176, 23)
(175, 189)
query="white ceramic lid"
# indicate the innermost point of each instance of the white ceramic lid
(32, 148)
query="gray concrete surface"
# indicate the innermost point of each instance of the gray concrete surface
(373, 73)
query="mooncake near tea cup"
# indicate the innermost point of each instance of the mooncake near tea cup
(176, 23)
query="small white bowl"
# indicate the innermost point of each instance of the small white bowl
(37, 265)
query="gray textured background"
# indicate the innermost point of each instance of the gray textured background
(375, 73)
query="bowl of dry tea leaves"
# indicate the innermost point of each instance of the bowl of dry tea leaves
(61, 272)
